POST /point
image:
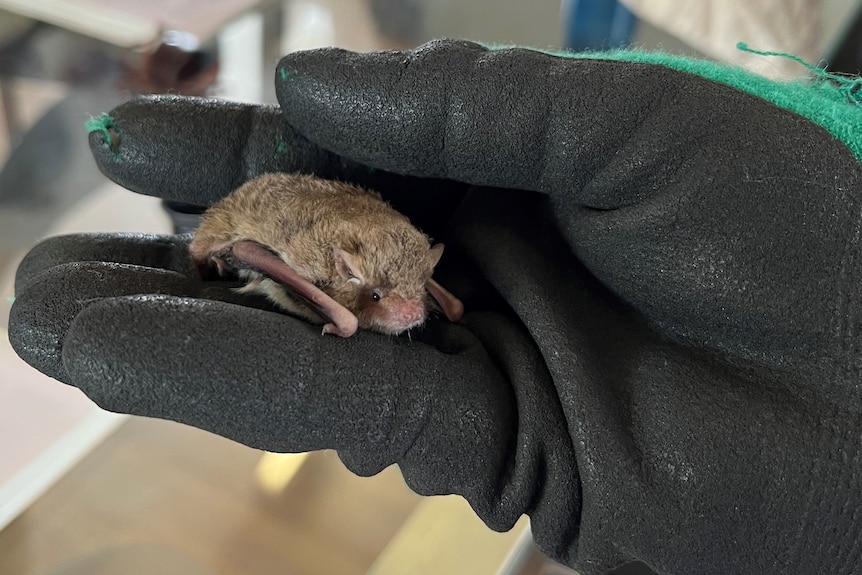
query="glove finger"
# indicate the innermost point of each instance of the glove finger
(454, 109)
(42, 312)
(196, 151)
(193, 150)
(275, 383)
(603, 133)
(168, 252)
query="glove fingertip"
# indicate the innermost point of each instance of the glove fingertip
(383, 109)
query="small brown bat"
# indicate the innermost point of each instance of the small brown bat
(324, 249)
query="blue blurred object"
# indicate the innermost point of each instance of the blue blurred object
(596, 24)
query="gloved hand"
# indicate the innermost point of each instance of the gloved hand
(659, 359)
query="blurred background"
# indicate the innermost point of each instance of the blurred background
(84, 491)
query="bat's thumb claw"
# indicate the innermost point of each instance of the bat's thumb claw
(341, 331)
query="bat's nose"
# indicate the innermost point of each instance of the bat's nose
(405, 314)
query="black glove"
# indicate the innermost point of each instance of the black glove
(659, 359)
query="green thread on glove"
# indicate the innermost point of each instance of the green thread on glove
(280, 145)
(11, 299)
(847, 85)
(287, 74)
(821, 102)
(106, 125)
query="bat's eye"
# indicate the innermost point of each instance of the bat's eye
(376, 295)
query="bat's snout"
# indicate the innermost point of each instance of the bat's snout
(398, 315)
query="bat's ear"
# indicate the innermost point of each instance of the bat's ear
(434, 255)
(345, 263)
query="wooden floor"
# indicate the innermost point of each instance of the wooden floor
(161, 493)
(158, 497)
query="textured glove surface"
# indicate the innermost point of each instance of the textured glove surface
(661, 359)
